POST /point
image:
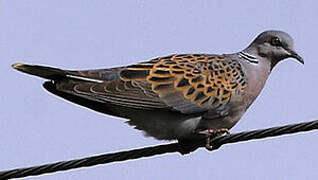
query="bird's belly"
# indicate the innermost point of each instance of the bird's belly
(165, 125)
(222, 119)
(176, 126)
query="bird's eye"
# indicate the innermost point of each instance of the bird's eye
(276, 41)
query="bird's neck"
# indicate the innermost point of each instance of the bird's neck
(248, 57)
(250, 54)
(257, 71)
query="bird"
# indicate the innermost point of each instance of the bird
(177, 97)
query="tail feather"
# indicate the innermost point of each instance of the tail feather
(41, 71)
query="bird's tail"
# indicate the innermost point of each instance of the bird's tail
(41, 71)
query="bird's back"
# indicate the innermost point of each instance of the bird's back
(179, 86)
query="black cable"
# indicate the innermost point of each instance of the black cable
(183, 148)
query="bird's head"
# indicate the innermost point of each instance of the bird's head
(274, 46)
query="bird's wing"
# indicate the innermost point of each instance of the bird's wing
(105, 86)
(188, 83)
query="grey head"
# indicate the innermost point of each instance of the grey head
(273, 46)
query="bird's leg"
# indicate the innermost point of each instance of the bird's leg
(212, 133)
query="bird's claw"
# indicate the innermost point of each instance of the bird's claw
(212, 133)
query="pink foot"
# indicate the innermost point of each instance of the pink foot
(213, 133)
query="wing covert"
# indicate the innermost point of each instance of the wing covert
(189, 82)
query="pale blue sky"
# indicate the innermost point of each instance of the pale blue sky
(37, 127)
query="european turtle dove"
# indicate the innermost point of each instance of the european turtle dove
(181, 96)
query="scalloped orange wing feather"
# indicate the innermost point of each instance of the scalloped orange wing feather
(189, 83)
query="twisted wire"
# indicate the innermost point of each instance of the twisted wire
(182, 148)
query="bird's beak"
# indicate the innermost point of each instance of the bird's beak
(293, 54)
